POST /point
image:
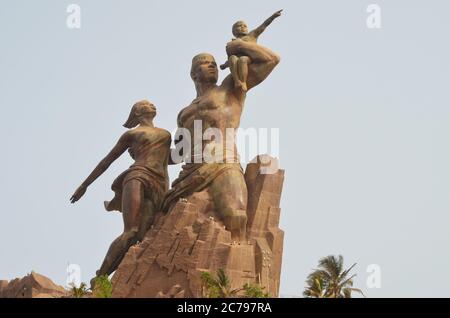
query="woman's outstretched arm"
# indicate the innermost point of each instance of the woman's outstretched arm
(121, 146)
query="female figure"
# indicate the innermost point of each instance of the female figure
(140, 189)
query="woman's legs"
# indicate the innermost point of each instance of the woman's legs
(132, 208)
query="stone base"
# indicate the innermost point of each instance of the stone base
(190, 240)
(33, 285)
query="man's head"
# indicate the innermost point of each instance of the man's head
(240, 29)
(204, 69)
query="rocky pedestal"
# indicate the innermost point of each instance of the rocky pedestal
(190, 240)
(33, 285)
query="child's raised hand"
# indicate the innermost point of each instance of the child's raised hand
(278, 13)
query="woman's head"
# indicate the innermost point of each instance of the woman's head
(140, 110)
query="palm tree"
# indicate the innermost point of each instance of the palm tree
(330, 280)
(314, 287)
(218, 287)
(253, 290)
(79, 292)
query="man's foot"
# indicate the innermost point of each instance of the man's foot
(239, 235)
(237, 225)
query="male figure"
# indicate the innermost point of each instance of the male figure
(220, 107)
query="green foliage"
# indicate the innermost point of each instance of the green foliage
(102, 287)
(220, 287)
(79, 292)
(254, 291)
(217, 287)
(210, 288)
(330, 280)
(315, 287)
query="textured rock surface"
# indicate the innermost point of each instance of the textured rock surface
(190, 240)
(31, 286)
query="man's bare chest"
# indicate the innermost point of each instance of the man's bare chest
(210, 110)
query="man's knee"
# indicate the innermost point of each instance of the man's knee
(236, 223)
(237, 203)
(229, 192)
(231, 205)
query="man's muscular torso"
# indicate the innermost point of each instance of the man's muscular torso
(219, 108)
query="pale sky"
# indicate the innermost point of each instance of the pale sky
(363, 116)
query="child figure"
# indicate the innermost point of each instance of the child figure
(239, 64)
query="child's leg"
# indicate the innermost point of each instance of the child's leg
(243, 63)
(233, 63)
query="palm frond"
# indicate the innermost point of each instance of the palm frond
(332, 264)
(357, 290)
(330, 279)
(344, 274)
(348, 281)
(222, 278)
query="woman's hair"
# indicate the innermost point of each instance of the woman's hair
(137, 111)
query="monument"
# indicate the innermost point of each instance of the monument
(215, 215)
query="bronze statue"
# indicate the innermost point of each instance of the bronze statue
(238, 64)
(140, 189)
(220, 106)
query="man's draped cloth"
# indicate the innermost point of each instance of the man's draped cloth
(195, 177)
